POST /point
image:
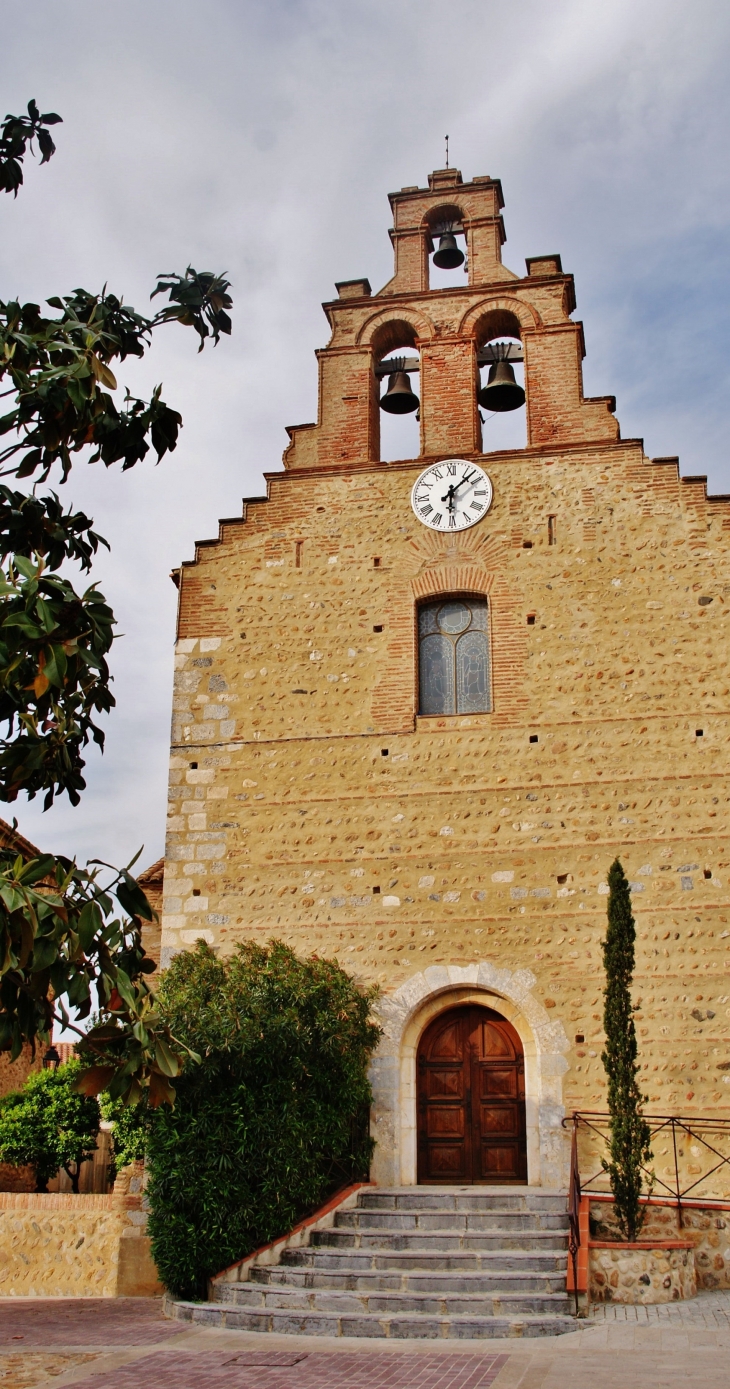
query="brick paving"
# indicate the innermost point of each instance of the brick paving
(83, 1321)
(318, 1370)
(125, 1343)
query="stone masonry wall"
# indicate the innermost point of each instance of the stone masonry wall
(708, 1229)
(309, 802)
(77, 1246)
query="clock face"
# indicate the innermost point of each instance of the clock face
(451, 496)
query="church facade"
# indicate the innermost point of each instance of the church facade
(415, 739)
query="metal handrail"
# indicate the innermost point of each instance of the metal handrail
(698, 1128)
(574, 1194)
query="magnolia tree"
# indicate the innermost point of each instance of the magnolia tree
(69, 937)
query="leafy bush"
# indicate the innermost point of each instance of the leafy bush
(48, 1125)
(272, 1120)
(130, 1126)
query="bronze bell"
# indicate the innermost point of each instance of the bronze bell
(448, 255)
(399, 398)
(501, 392)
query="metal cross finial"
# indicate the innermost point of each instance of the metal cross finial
(447, 151)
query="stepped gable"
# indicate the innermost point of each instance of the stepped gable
(441, 815)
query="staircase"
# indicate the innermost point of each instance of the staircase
(436, 1262)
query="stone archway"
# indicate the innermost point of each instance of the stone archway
(405, 1014)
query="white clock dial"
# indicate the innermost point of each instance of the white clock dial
(451, 496)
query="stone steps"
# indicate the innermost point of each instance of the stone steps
(440, 1302)
(348, 1260)
(415, 1327)
(442, 1241)
(472, 1221)
(420, 1280)
(436, 1262)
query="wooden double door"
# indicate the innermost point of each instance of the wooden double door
(471, 1099)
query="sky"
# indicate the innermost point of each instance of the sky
(262, 139)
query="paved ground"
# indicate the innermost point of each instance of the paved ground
(125, 1343)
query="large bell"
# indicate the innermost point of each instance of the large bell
(501, 391)
(448, 255)
(399, 398)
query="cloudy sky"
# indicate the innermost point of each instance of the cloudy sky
(262, 139)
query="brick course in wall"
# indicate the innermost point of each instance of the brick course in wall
(302, 776)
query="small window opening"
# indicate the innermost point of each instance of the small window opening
(533, 737)
(298, 553)
(699, 733)
(376, 562)
(562, 877)
(196, 892)
(552, 533)
(531, 619)
(708, 872)
(376, 890)
(320, 508)
(527, 544)
(243, 636)
(579, 1037)
(379, 627)
(384, 752)
(193, 766)
(453, 657)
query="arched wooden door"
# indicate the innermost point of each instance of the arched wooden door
(471, 1099)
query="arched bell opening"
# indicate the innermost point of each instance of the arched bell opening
(447, 247)
(501, 375)
(471, 1117)
(396, 372)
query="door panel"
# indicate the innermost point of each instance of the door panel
(471, 1099)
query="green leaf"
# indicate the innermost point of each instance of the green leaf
(132, 899)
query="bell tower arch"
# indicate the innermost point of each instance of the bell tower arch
(445, 328)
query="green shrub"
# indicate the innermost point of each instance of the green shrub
(130, 1126)
(272, 1120)
(47, 1125)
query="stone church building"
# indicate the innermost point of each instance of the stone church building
(422, 705)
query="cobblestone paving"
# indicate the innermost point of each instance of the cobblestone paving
(708, 1309)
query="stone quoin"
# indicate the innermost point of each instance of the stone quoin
(459, 860)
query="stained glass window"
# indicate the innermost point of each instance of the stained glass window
(453, 648)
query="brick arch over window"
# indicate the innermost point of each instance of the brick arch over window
(395, 696)
(484, 320)
(387, 321)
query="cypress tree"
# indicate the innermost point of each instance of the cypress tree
(630, 1135)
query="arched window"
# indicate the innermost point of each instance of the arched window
(453, 657)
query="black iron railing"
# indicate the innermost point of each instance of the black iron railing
(691, 1159)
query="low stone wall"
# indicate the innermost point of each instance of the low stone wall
(706, 1228)
(61, 1245)
(645, 1272)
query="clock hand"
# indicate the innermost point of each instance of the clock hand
(450, 497)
